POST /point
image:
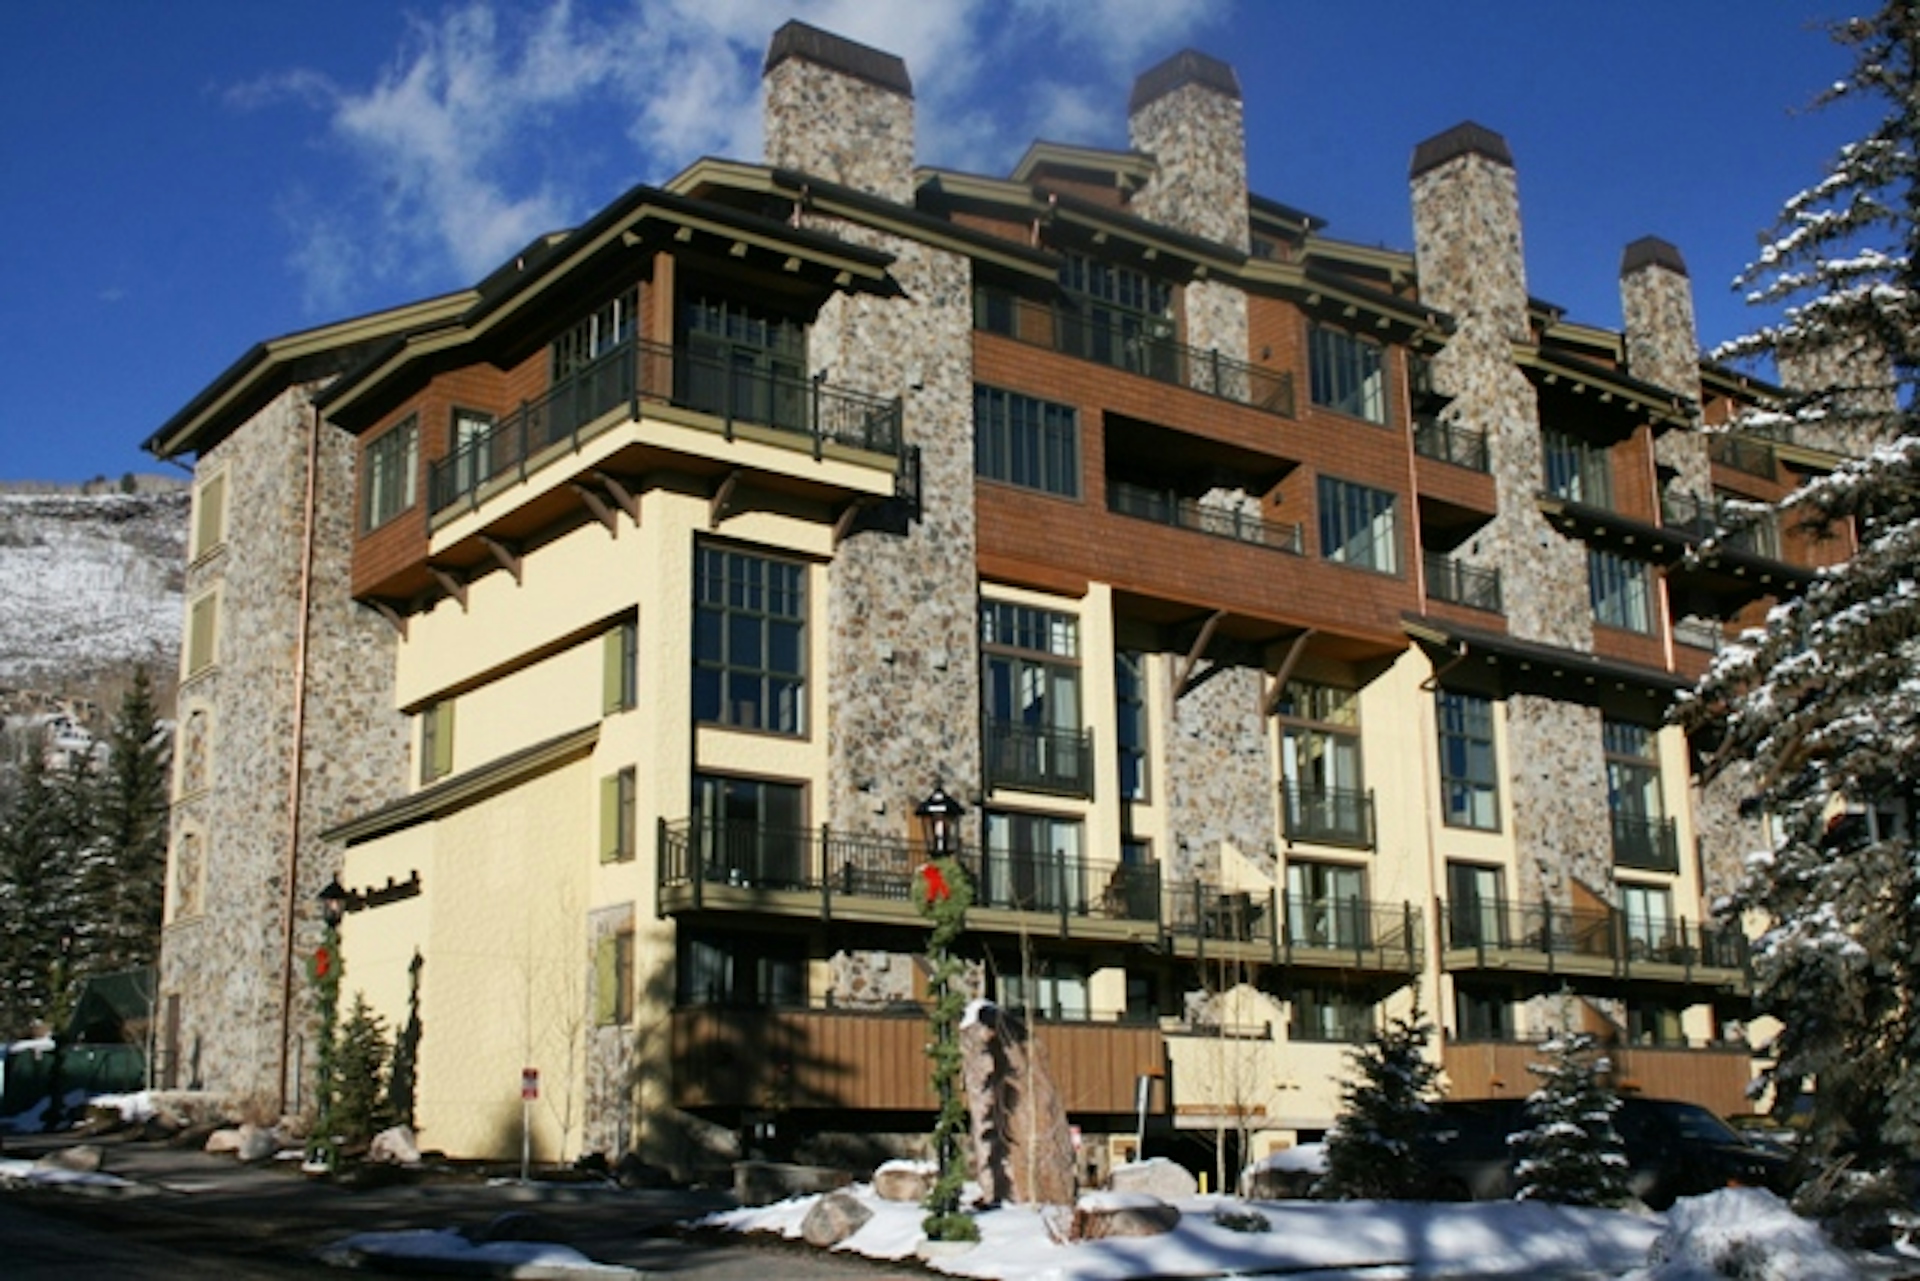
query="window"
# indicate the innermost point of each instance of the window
(1118, 316)
(613, 978)
(1641, 837)
(1576, 470)
(210, 514)
(436, 741)
(755, 971)
(1054, 989)
(203, 624)
(1348, 374)
(1647, 917)
(1026, 441)
(1033, 863)
(592, 337)
(750, 832)
(1143, 996)
(1357, 526)
(1475, 915)
(1326, 906)
(1330, 1014)
(472, 457)
(1326, 799)
(749, 641)
(1469, 788)
(1481, 1015)
(617, 844)
(1130, 715)
(620, 668)
(1654, 1023)
(1030, 673)
(1621, 591)
(744, 361)
(392, 461)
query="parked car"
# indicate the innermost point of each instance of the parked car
(1673, 1150)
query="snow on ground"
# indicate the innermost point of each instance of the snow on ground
(1745, 1233)
(447, 1246)
(15, 1172)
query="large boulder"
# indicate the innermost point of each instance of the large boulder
(395, 1146)
(1100, 1215)
(257, 1143)
(223, 1141)
(1022, 1148)
(904, 1181)
(1156, 1177)
(833, 1218)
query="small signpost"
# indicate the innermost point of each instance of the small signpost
(529, 1091)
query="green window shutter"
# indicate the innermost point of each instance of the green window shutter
(606, 980)
(610, 818)
(443, 738)
(612, 689)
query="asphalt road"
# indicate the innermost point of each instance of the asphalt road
(190, 1214)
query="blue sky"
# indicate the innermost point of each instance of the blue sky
(186, 179)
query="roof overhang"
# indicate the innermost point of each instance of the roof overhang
(1508, 665)
(1625, 394)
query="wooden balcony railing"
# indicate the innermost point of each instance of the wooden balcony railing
(1127, 344)
(808, 411)
(1474, 586)
(1500, 932)
(1168, 508)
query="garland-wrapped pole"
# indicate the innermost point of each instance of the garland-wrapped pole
(323, 969)
(943, 893)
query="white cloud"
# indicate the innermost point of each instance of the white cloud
(493, 124)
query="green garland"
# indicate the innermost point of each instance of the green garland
(943, 893)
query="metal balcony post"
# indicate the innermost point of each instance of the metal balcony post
(826, 876)
(1273, 922)
(1060, 887)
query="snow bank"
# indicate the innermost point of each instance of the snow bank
(1746, 1233)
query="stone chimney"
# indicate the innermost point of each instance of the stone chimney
(1186, 114)
(1656, 300)
(839, 111)
(1466, 228)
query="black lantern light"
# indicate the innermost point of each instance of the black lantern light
(333, 903)
(940, 822)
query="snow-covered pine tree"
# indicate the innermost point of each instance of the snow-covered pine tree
(1373, 1153)
(1820, 713)
(1570, 1153)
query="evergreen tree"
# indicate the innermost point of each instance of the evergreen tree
(128, 875)
(360, 1107)
(1822, 711)
(38, 900)
(1373, 1152)
(1570, 1153)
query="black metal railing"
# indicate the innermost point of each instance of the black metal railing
(1451, 443)
(1649, 844)
(1127, 344)
(1754, 457)
(1699, 633)
(1348, 930)
(634, 371)
(1037, 758)
(1168, 508)
(1594, 934)
(1475, 586)
(1749, 528)
(1328, 815)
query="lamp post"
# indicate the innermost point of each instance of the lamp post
(943, 893)
(324, 969)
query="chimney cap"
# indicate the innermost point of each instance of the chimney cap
(1651, 251)
(1465, 138)
(1189, 66)
(795, 39)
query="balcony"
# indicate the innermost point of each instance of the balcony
(1167, 508)
(1335, 933)
(1451, 443)
(1646, 844)
(1751, 530)
(876, 1059)
(803, 413)
(1125, 345)
(1035, 758)
(1500, 935)
(1328, 815)
(1459, 583)
(1742, 454)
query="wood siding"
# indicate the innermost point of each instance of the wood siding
(1716, 1079)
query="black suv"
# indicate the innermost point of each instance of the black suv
(1673, 1150)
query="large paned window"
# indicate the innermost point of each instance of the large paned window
(1031, 690)
(744, 970)
(1033, 863)
(1577, 470)
(392, 463)
(1640, 836)
(744, 362)
(1357, 526)
(749, 641)
(1348, 374)
(1130, 715)
(594, 335)
(1474, 906)
(1026, 441)
(1481, 1014)
(1049, 988)
(1327, 1013)
(750, 831)
(1325, 795)
(1469, 782)
(1119, 316)
(1327, 906)
(1621, 590)
(1647, 916)
(1654, 1023)
(472, 456)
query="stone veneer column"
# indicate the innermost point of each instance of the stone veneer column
(1186, 114)
(223, 949)
(1220, 774)
(902, 611)
(1467, 236)
(1656, 299)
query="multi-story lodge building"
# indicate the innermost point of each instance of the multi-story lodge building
(1297, 619)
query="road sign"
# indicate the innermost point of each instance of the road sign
(529, 1083)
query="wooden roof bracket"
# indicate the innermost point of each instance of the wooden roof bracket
(450, 583)
(394, 617)
(721, 505)
(1183, 678)
(1278, 688)
(506, 554)
(598, 506)
(843, 525)
(621, 493)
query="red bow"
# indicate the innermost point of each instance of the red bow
(936, 883)
(322, 962)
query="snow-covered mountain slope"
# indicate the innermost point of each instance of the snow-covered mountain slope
(90, 585)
